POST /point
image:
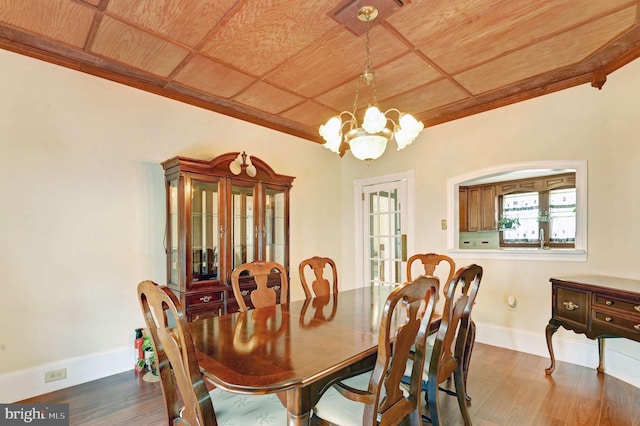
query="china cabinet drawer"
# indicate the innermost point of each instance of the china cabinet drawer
(205, 298)
(572, 305)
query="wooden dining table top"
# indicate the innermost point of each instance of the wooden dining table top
(296, 350)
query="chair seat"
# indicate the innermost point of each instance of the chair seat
(236, 409)
(339, 410)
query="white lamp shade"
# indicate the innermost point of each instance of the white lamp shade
(331, 129)
(403, 139)
(410, 124)
(333, 143)
(368, 147)
(374, 120)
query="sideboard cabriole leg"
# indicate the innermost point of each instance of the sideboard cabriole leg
(552, 327)
(600, 355)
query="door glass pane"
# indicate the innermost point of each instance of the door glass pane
(384, 236)
(205, 236)
(562, 215)
(242, 229)
(275, 234)
(173, 231)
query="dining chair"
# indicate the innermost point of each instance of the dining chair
(320, 285)
(378, 397)
(262, 295)
(446, 351)
(432, 264)
(187, 400)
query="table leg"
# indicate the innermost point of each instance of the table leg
(295, 420)
(600, 355)
(298, 413)
(552, 327)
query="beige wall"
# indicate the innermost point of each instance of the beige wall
(581, 123)
(82, 217)
(83, 199)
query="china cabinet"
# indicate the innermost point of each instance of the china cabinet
(221, 213)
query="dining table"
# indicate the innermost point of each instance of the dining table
(296, 350)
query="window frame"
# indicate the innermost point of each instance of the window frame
(543, 205)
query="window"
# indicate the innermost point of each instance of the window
(544, 218)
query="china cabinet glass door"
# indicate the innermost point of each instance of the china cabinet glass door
(275, 225)
(173, 254)
(205, 231)
(243, 228)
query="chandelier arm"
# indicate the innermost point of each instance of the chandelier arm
(393, 110)
(395, 124)
(352, 121)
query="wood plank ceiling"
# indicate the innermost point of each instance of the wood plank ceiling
(290, 65)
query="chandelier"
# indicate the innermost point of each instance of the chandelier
(368, 141)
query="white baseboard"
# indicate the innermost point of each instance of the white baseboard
(23, 384)
(575, 349)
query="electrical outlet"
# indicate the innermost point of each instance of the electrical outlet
(53, 375)
(512, 303)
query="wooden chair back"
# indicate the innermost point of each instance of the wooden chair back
(185, 394)
(262, 295)
(320, 285)
(386, 401)
(433, 264)
(449, 346)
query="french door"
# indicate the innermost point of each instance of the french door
(383, 221)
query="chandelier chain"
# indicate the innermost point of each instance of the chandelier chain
(369, 74)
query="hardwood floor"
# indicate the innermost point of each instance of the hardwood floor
(507, 387)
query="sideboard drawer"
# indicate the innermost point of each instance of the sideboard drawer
(572, 305)
(626, 325)
(612, 302)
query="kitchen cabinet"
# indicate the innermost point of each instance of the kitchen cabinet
(220, 215)
(481, 208)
